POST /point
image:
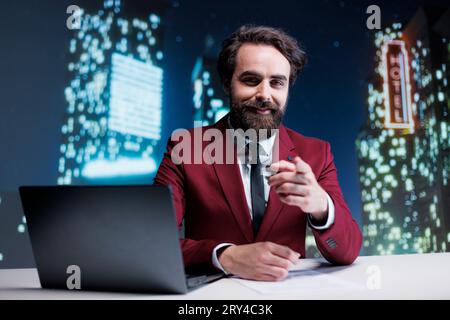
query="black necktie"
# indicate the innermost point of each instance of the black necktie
(257, 192)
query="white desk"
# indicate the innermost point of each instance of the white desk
(424, 276)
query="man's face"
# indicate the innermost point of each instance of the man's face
(259, 87)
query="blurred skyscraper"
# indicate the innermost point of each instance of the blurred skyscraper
(403, 149)
(114, 95)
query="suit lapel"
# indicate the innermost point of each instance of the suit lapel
(285, 150)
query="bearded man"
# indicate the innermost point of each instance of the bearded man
(237, 218)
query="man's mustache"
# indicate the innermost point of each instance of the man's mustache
(261, 105)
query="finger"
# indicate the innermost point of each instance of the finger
(294, 200)
(301, 166)
(259, 273)
(277, 261)
(282, 177)
(264, 277)
(288, 188)
(284, 252)
(283, 166)
(274, 273)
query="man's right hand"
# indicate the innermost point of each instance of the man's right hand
(266, 261)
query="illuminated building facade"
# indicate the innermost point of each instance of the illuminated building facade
(210, 101)
(114, 96)
(403, 149)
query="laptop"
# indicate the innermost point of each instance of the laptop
(107, 238)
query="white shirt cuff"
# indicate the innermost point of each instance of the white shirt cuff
(330, 219)
(215, 260)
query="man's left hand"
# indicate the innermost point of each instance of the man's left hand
(296, 185)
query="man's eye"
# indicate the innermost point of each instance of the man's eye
(251, 81)
(277, 83)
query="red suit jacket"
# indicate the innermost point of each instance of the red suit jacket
(211, 199)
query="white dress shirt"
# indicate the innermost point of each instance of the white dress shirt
(265, 156)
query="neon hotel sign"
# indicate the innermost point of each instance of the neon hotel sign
(397, 87)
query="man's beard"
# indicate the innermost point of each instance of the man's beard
(245, 116)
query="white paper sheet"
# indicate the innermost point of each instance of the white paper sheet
(300, 280)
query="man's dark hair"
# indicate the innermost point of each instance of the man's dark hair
(275, 37)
